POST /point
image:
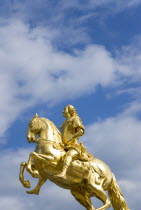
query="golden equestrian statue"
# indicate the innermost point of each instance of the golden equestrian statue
(60, 158)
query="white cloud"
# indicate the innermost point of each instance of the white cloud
(112, 4)
(7, 202)
(133, 3)
(66, 18)
(33, 71)
(129, 60)
(116, 4)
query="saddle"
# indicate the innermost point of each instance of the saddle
(84, 157)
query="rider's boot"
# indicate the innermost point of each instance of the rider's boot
(66, 164)
(63, 173)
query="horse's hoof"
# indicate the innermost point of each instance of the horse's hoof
(33, 192)
(27, 184)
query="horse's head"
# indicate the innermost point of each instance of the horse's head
(44, 128)
(33, 128)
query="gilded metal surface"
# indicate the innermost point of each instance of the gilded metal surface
(60, 158)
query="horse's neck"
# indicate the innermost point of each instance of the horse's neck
(43, 135)
(49, 132)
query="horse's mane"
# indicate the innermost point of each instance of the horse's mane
(52, 124)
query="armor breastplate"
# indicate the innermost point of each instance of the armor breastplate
(67, 130)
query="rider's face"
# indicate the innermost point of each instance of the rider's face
(65, 112)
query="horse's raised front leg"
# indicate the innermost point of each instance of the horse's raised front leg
(21, 175)
(30, 167)
(36, 190)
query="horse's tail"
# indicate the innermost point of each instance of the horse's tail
(116, 197)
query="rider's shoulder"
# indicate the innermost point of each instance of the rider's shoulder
(76, 121)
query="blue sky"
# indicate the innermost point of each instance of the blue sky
(84, 53)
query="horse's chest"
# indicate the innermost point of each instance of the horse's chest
(41, 148)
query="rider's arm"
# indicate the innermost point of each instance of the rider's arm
(79, 129)
(79, 132)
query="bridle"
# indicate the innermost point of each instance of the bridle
(37, 140)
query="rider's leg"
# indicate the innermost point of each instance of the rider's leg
(83, 199)
(70, 155)
(36, 190)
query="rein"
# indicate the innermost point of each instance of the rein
(41, 139)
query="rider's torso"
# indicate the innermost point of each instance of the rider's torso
(68, 128)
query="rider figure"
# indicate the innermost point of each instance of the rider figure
(71, 130)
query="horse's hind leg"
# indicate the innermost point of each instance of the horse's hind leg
(83, 199)
(36, 190)
(21, 175)
(101, 195)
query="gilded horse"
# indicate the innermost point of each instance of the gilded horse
(84, 179)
